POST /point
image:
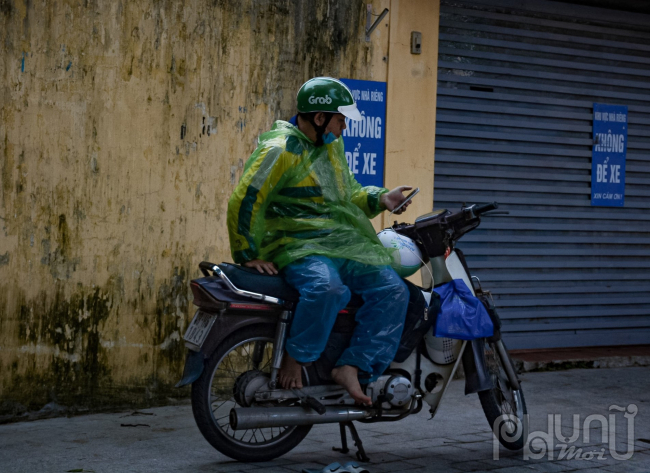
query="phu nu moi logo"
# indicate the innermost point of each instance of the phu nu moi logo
(540, 444)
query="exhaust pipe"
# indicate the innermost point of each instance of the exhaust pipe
(260, 417)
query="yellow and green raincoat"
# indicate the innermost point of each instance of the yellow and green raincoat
(295, 200)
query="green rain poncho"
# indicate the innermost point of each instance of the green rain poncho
(295, 200)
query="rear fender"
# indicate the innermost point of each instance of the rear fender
(225, 325)
(228, 323)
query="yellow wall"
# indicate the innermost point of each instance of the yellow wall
(411, 104)
(124, 128)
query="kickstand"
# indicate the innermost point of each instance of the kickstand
(361, 453)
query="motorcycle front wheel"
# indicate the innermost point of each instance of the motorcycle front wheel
(214, 395)
(504, 406)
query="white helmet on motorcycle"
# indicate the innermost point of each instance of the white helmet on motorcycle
(408, 257)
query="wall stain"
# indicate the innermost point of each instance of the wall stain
(6, 7)
(60, 260)
(77, 364)
(172, 305)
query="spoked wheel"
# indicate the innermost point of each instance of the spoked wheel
(231, 375)
(503, 405)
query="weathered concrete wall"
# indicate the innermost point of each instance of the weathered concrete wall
(123, 130)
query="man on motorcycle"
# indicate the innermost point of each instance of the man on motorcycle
(298, 209)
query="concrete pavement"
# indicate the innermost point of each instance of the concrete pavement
(458, 439)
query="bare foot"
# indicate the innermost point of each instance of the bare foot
(290, 373)
(346, 376)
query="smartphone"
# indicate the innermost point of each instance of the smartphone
(408, 198)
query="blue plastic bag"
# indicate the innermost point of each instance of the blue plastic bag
(462, 315)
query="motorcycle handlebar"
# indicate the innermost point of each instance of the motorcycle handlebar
(446, 225)
(481, 209)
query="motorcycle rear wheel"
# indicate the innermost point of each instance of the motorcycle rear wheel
(213, 398)
(504, 407)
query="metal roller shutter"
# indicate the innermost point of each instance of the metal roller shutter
(516, 85)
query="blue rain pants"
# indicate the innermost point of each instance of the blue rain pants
(325, 286)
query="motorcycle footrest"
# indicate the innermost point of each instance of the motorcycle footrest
(315, 405)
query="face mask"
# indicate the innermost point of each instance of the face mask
(329, 138)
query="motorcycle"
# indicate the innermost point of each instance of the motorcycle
(236, 342)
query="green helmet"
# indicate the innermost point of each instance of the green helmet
(326, 94)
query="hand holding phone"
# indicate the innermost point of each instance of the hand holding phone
(408, 198)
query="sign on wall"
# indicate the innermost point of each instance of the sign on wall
(608, 156)
(364, 140)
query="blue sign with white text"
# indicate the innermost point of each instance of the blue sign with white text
(364, 140)
(608, 156)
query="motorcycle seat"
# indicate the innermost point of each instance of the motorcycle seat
(252, 280)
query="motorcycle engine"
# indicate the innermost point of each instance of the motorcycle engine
(395, 390)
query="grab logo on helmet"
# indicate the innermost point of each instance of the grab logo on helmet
(321, 100)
